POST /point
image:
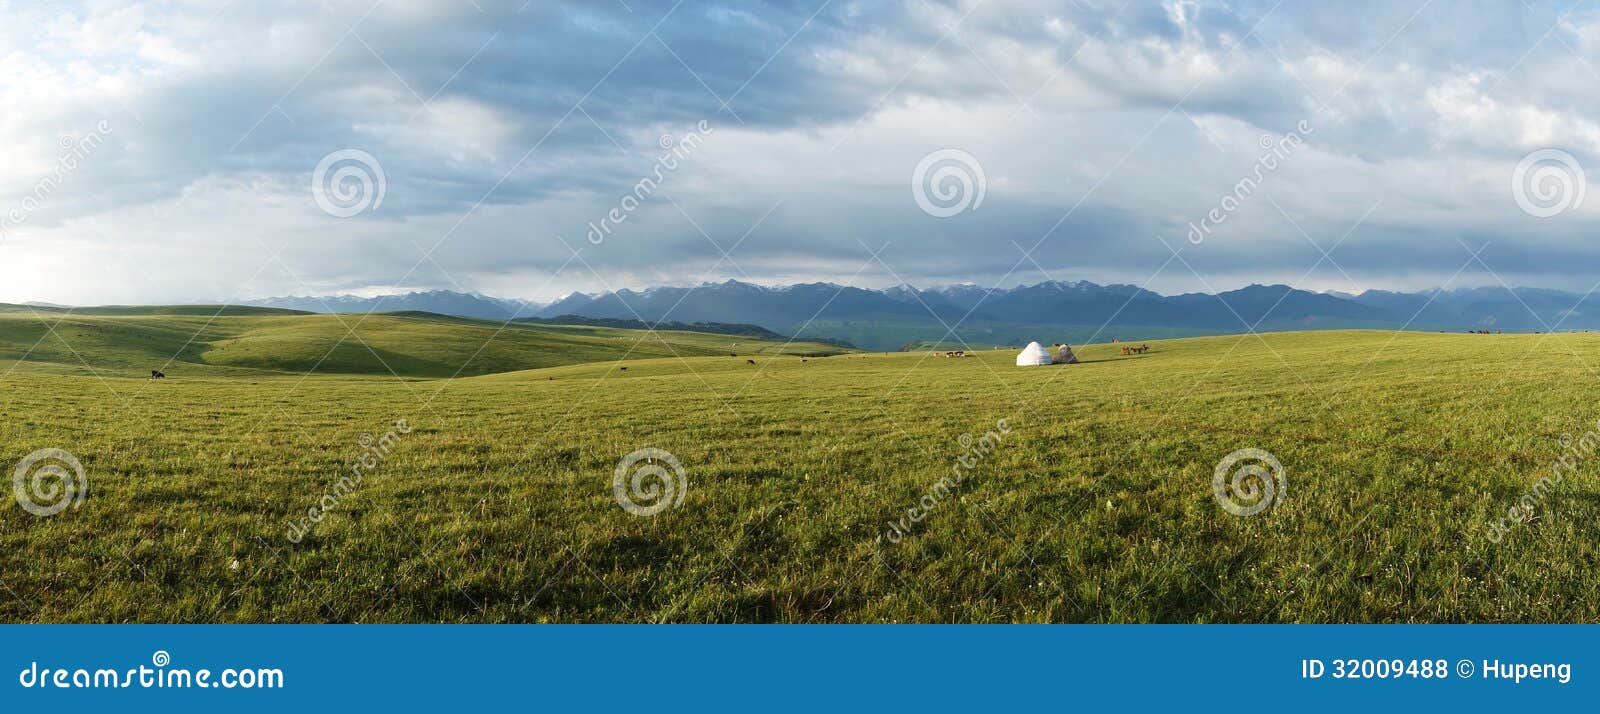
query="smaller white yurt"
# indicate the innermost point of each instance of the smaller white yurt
(1065, 356)
(1033, 356)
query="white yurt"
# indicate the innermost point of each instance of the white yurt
(1033, 356)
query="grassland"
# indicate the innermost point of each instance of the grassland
(1399, 451)
(203, 341)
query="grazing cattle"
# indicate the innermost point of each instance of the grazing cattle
(624, 369)
(157, 374)
(733, 354)
(750, 361)
(1126, 351)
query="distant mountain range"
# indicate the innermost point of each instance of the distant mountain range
(886, 319)
(443, 302)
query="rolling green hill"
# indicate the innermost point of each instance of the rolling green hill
(1402, 456)
(118, 341)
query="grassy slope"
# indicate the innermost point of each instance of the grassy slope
(411, 345)
(1399, 449)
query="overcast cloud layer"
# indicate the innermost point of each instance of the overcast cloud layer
(165, 151)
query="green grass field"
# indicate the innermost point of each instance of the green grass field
(1398, 450)
(113, 342)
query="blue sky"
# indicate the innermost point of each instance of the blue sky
(166, 151)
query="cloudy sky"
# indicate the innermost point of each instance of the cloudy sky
(208, 151)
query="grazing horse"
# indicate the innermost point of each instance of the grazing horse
(750, 361)
(157, 374)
